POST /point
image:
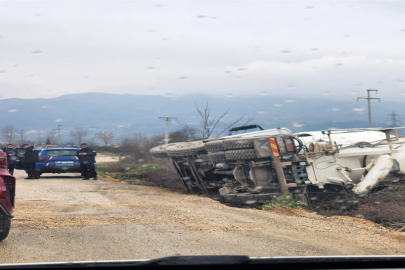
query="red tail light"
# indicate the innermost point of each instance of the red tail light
(289, 144)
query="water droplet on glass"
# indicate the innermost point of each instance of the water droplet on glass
(289, 100)
(12, 110)
(36, 52)
(358, 109)
(261, 112)
(58, 120)
(278, 104)
(298, 124)
(335, 109)
(326, 93)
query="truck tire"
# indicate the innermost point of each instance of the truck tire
(159, 151)
(214, 146)
(237, 144)
(186, 149)
(216, 156)
(241, 154)
(5, 226)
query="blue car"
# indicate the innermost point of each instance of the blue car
(55, 159)
(58, 160)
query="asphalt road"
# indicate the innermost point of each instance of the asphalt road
(63, 218)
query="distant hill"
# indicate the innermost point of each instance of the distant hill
(125, 114)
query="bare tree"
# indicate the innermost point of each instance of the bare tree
(210, 124)
(105, 136)
(7, 133)
(78, 134)
(181, 135)
(50, 137)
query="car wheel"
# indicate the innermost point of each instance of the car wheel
(5, 226)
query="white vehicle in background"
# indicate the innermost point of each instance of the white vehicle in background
(254, 167)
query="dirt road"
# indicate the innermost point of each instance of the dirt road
(63, 218)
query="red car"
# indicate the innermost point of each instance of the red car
(7, 196)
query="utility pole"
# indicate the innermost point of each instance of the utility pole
(22, 132)
(167, 119)
(59, 129)
(369, 105)
(393, 120)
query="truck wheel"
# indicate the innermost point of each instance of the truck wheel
(5, 226)
(237, 144)
(214, 146)
(241, 154)
(186, 149)
(216, 156)
(159, 151)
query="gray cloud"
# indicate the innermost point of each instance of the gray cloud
(217, 47)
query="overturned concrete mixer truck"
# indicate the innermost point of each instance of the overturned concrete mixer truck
(253, 167)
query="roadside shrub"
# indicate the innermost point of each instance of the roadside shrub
(284, 201)
(159, 174)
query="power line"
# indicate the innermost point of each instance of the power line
(167, 120)
(369, 105)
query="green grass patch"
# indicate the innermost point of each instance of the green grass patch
(132, 176)
(284, 201)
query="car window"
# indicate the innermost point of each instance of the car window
(60, 152)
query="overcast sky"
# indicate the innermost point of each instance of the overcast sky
(332, 49)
